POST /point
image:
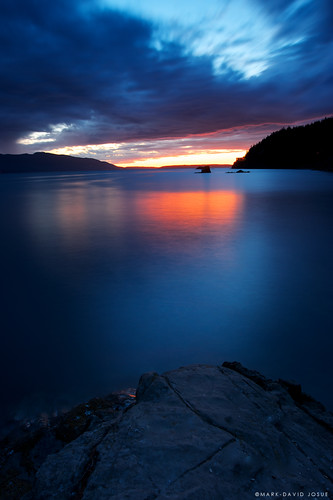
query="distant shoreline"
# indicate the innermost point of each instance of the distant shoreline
(47, 162)
(52, 163)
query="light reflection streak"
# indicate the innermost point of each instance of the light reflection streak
(80, 219)
(174, 210)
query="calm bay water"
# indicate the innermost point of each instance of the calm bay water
(108, 275)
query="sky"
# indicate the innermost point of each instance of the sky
(151, 83)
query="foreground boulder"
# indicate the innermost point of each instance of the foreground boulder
(196, 433)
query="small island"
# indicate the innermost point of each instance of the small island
(238, 172)
(205, 169)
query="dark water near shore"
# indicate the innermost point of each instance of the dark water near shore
(106, 276)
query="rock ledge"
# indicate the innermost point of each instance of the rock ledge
(196, 433)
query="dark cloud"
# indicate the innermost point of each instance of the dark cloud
(99, 71)
(63, 65)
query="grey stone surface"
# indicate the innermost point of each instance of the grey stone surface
(199, 432)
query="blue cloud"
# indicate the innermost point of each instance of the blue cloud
(77, 72)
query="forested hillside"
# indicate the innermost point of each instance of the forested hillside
(308, 146)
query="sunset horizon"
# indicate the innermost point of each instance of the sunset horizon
(193, 150)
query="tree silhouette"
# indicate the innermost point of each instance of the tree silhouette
(308, 146)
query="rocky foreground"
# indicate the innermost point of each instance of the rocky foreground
(197, 433)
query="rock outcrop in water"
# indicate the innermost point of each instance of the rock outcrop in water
(197, 433)
(203, 170)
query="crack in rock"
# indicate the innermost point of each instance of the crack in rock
(326, 475)
(204, 461)
(242, 390)
(300, 449)
(205, 418)
(195, 467)
(78, 492)
(79, 489)
(155, 495)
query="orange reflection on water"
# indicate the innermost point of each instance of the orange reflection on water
(77, 218)
(192, 209)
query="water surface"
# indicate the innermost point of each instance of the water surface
(108, 275)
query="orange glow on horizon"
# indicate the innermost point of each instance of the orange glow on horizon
(220, 157)
(119, 154)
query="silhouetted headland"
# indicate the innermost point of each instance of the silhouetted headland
(48, 162)
(194, 433)
(302, 147)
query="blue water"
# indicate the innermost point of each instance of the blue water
(108, 275)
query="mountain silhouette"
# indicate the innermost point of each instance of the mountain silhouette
(48, 162)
